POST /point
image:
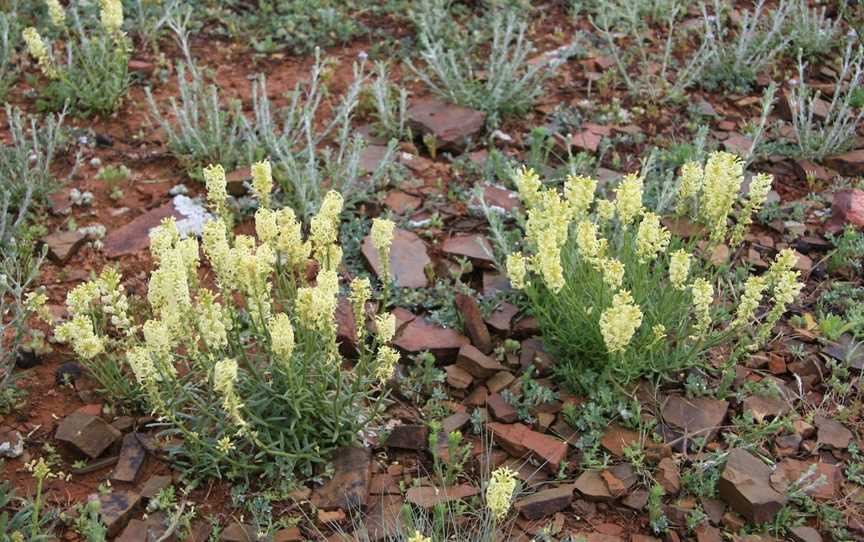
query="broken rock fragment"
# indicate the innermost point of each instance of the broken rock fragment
(745, 485)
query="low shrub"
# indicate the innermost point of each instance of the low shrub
(95, 77)
(618, 295)
(247, 374)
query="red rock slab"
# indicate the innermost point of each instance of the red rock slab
(428, 496)
(135, 236)
(474, 246)
(452, 125)
(519, 440)
(419, 335)
(408, 259)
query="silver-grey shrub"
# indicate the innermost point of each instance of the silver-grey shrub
(834, 133)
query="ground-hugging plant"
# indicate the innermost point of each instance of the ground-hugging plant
(618, 295)
(499, 81)
(247, 374)
(10, 34)
(736, 57)
(93, 77)
(835, 131)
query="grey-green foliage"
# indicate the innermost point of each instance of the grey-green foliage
(497, 78)
(9, 37)
(812, 31)
(618, 20)
(313, 153)
(203, 131)
(835, 132)
(737, 56)
(391, 104)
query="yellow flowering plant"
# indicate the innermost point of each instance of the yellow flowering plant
(94, 78)
(618, 295)
(247, 374)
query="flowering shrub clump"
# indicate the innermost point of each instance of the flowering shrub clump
(95, 76)
(617, 294)
(246, 374)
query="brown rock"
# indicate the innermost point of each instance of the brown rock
(745, 486)
(154, 485)
(762, 407)
(402, 203)
(499, 381)
(452, 125)
(458, 378)
(63, 245)
(501, 410)
(545, 502)
(847, 208)
(132, 456)
(619, 479)
(850, 164)
(474, 324)
(428, 496)
(586, 140)
(349, 486)
(616, 438)
(824, 483)
(372, 156)
(637, 500)
(419, 335)
(408, 259)
(135, 235)
(478, 364)
(239, 532)
(502, 317)
(116, 509)
(454, 422)
(500, 198)
(707, 533)
(330, 516)
(88, 434)
(477, 397)
(291, 534)
(592, 487)
(519, 440)
(695, 418)
(383, 518)
(409, 437)
(803, 533)
(475, 247)
(832, 433)
(667, 476)
(150, 530)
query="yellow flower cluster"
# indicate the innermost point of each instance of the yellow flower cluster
(361, 292)
(281, 337)
(213, 321)
(651, 237)
(628, 198)
(679, 268)
(723, 176)
(385, 327)
(170, 289)
(38, 50)
(703, 296)
(382, 237)
(56, 13)
(689, 185)
(385, 363)
(80, 334)
(759, 188)
(516, 270)
(754, 289)
(112, 15)
(225, 374)
(418, 537)
(262, 182)
(324, 230)
(499, 492)
(217, 187)
(579, 193)
(783, 279)
(619, 322)
(613, 272)
(528, 184)
(316, 305)
(35, 303)
(587, 242)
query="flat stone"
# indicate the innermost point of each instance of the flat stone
(472, 319)
(615, 438)
(846, 208)
(454, 422)
(500, 409)
(500, 198)
(409, 437)
(458, 378)
(586, 140)
(477, 363)
(132, 456)
(86, 433)
(419, 335)
(519, 440)
(474, 246)
(383, 518)
(804, 533)
(832, 433)
(619, 479)
(63, 245)
(117, 508)
(401, 203)
(499, 381)
(428, 496)
(850, 164)
(636, 500)
(501, 318)
(762, 407)
(289, 534)
(372, 156)
(790, 471)
(695, 418)
(239, 532)
(154, 485)
(150, 530)
(408, 259)
(745, 486)
(545, 502)
(452, 125)
(707, 533)
(11, 444)
(592, 487)
(349, 487)
(135, 236)
(667, 476)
